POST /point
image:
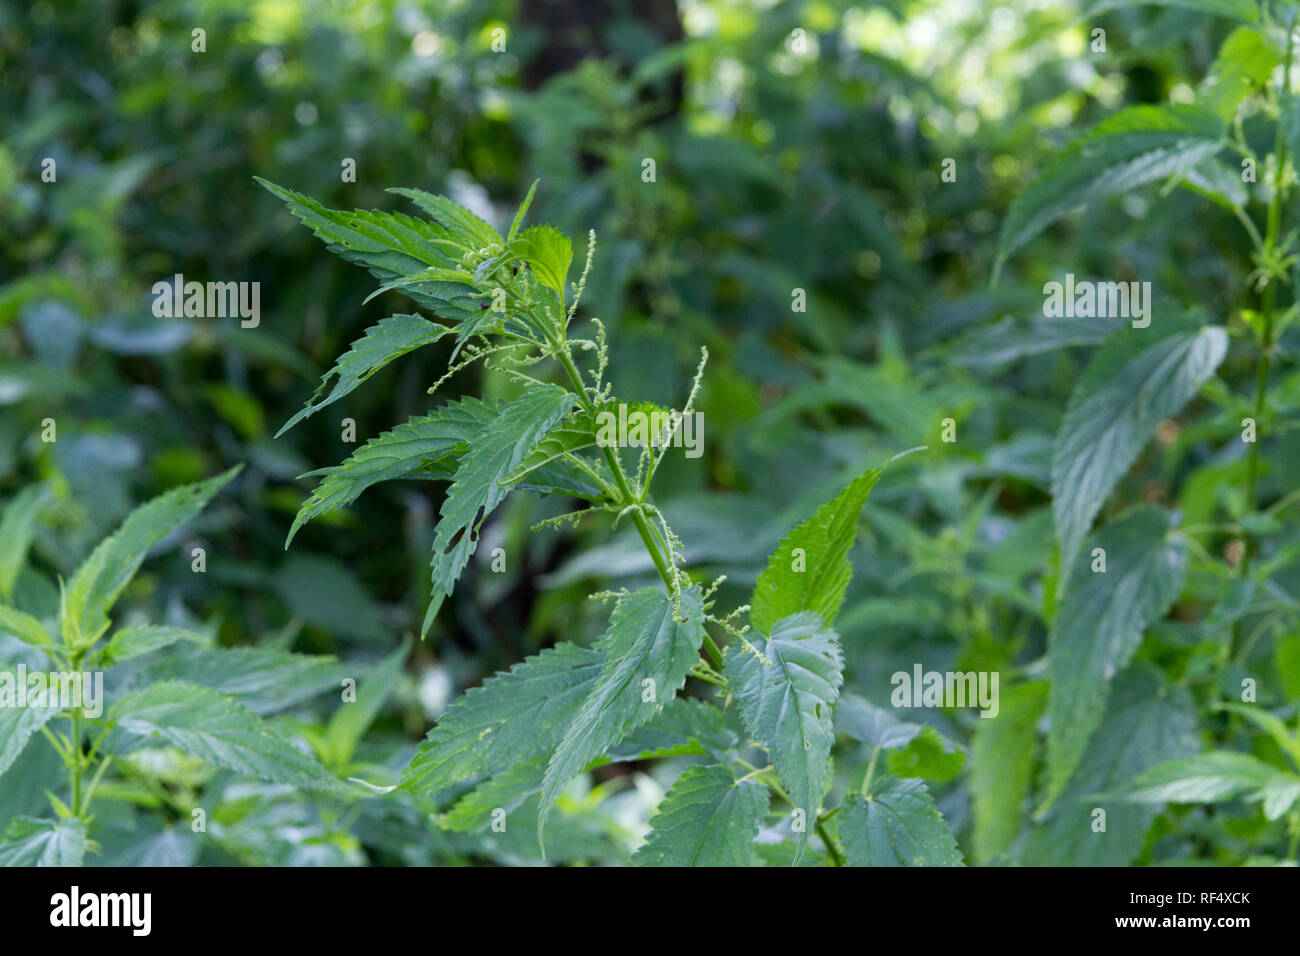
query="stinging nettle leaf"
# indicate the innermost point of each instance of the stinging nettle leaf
(575, 434)
(392, 338)
(28, 841)
(548, 251)
(467, 228)
(895, 824)
(522, 211)
(1135, 146)
(1147, 721)
(786, 687)
(513, 718)
(647, 654)
(684, 726)
(816, 578)
(263, 679)
(17, 528)
(100, 579)
(1243, 66)
(506, 791)
(1112, 415)
(24, 627)
(17, 724)
(207, 724)
(1214, 777)
(480, 483)
(129, 642)
(1100, 625)
(417, 444)
(1002, 764)
(1008, 340)
(390, 245)
(708, 818)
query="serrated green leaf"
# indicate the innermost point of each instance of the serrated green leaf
(1135, 146)
(708, 818)
(548, 251)
(684, 726)
(28, 841)
(17, 724)
(1100, 625)
(263, 679)
(17, 527)
(1217, 182)
(1008, 340)
(1211, 778)
(100, 579)
(209, 725)
(392, 338)
(1243, 66)
(786, 687)
(467, 228)
(513, 718)
(810, 569)
(522, 211)
(1002, 763)
(418, 443)
(1112, 415)
(391, 246)
(505, 792)
(24, 627)
(129, 642)
(647, 654)
(480, 483)
(895, 824)
(573, 435)
(1271, 724)
(1147, 721)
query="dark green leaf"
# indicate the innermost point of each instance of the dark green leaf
(895, 824)
(480, 483)
(1100, 624)
(648, 651)
(392, 338)
(709, 818)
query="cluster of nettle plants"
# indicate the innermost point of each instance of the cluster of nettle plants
(507, 302)
(1112, 594)
(1131, 693)
(529, 732)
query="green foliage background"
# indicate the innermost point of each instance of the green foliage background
(776, 170)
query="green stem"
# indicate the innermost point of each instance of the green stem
(830, 845)
(626, 497)
(74, 764)
(1268, 302)
(871, 771)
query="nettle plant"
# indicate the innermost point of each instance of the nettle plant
(1147, 708)
(150, 716)
(526, 734)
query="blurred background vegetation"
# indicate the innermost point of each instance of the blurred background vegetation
(779, 166)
